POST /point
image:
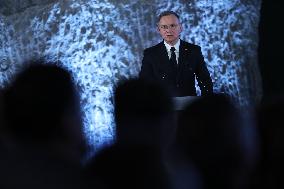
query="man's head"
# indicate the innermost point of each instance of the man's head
(143, 112)
(169, 27)
(42, 104)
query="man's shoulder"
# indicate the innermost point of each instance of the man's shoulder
(154, 48)
(189, 45)
(184, 44)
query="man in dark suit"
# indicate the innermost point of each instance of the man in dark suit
(175, 63)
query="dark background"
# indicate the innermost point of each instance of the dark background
(271, 49)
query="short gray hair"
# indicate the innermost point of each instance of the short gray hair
(167, 13)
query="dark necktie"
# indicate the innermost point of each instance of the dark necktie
(173, 58)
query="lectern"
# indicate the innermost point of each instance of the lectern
(180, 103)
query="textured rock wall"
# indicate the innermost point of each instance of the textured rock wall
(101, 42)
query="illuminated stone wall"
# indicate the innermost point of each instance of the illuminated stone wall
(101, 42)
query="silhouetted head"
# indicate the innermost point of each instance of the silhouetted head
(42, 105)
(43, 123)
(142, 111)
(209, 132)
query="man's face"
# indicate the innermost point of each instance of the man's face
(170, 29)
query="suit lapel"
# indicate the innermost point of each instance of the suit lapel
(163, 53)
(183, 52)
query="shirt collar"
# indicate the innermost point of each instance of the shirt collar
(176, 46)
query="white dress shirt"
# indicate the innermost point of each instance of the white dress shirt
(176, 46)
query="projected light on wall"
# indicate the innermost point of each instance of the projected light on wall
(102, 42)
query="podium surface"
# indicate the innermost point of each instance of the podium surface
(180, 103)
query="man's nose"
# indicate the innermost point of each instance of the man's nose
(167, 30)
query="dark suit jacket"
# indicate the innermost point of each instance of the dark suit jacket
(179, 79)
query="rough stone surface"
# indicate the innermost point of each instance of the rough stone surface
(101, 42)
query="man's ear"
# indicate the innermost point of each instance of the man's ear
(181, 28)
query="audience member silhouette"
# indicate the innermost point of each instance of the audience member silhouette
(127, 167)
(2, 137)
(271, 126)
(143, 114)
(42, 119)
(1, 111)
(210, 135)
(42, 133)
